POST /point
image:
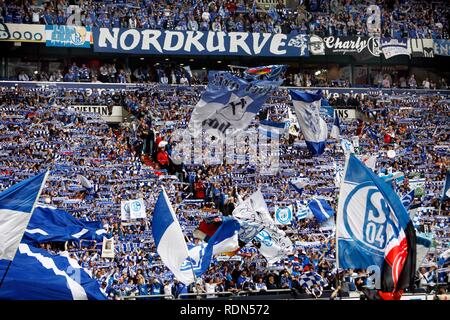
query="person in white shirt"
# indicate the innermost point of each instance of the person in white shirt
(164, 79)
(167, 289)
(132, 23)
(184, 80)
(260, 285)
(23, 76)
(210, 287)
(426, 83)
(206, 16)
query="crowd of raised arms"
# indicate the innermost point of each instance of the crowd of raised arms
(38, 130)
(400, 18)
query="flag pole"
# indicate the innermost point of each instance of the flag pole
(6, 271)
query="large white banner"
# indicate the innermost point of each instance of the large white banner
(22, 32)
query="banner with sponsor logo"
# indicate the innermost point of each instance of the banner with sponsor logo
(359, 47)
(144, 41)
(22, 32)
(442, 47)
(67, 36)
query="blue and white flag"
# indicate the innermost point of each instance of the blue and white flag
(336, 129)
(272, 128)
(225, 239)
(392, 47)
(283, 215)
(320, 209)
(314, 128)
(35, 274)
(303, 211)
(444, 258)
(253, 215)
(274, 244)
(373, 228)
(311, 278)
(446, 191)
(169, 239)
(347, 146)
(299, 184)
(326, 108)
(229, 104)
(408, 199)
(49, 224)
(85, 183)
(16, 205)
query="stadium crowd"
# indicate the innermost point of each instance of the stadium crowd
(413, 19)
(168, 73)
(39, 129)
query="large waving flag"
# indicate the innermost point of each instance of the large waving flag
(169, 239)
(229, 104)
(36, 274)
(16, 206)
(254, 208)
(214, 231)
(314, 128)
(321, 210)
(374, 228)
(224, 239)
(49, 224)
(274, 244)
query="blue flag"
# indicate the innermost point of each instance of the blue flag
(49, 224)
(374, 228)
(16, 205)
(36, 274)
(314, 128)
(320, 209)
(408, 199)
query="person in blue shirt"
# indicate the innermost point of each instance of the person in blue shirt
(60, 19)
(156, 287)
(178, 288)
(285, 280)
(47, 17)
(116, 20)
(69, 77)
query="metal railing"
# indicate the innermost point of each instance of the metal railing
(166, 296)
(197, 295)
(274, 291)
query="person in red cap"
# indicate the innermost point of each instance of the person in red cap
(162, 157)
